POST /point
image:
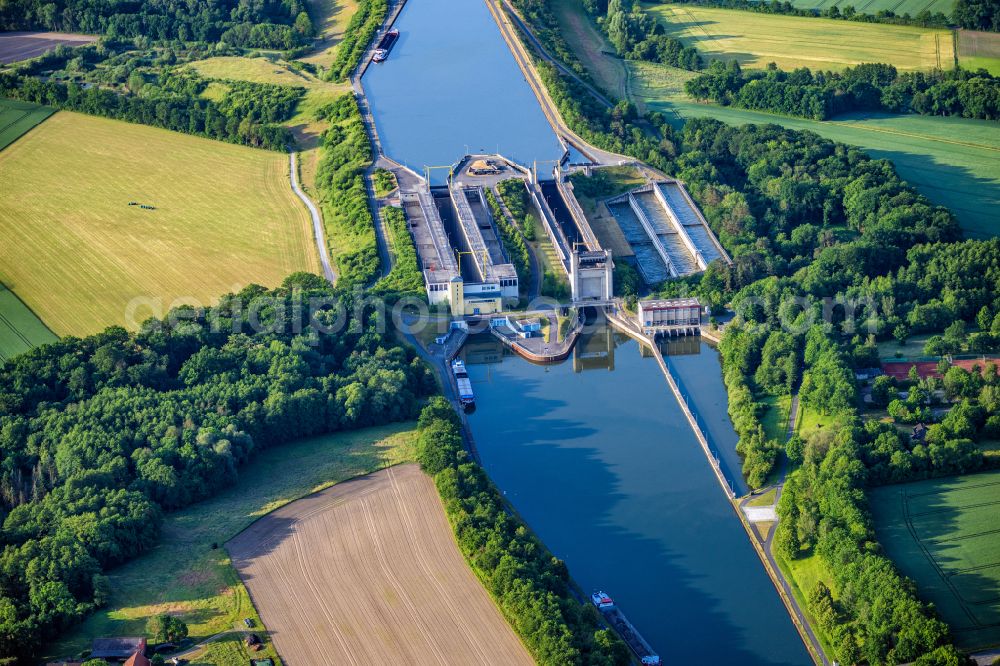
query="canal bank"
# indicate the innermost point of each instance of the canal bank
(604, 467)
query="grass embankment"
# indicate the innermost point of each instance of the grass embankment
(185, 576)
(802, 575)
(340, 183)
(367, 19)
(331, 18)
(306, 127)
(77, 253)
(16, 118)
(20, 328)
(590, 46)
(953, 161)
(405, 276)
(942, 534)
(756, 39)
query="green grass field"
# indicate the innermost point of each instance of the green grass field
(185, 576)
(943, 534)
(899, 7)
(795, 41)
(20, 328)
(303, 124)
(77, 254)
(334, 15)
(955, 162)
(16, 118)
(775, 419)
(979, 49)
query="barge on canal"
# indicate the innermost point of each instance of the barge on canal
(385, 45)
(613, 616)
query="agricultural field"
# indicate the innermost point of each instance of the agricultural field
(368, 572)
(942, 534)
(79, 255)
(953, 161)
(20, 328)
(899, 7)
(186, 576)
(16, 46)
(334, 15)
(304, 126)
(979, 49)
(16, 118)
(796, 41)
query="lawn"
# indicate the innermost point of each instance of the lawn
(942, 534)
(79, 255)
(184, 575)
(775, 419)
(889, 350)
(809, 421)
(979, 49)
(911, 7)
(953, 161)
(756, 39)
(20, 328)
(803, 574)
(16, 118)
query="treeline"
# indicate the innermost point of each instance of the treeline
(977, 14)
(530, 586)
(267, 24)
(246, 114)
(513, 243)
(868, 87)
(637, 35)
(99, 436)
(359, 33)
(545, 27)
(340, 180)
(924, 18)
(405, 276)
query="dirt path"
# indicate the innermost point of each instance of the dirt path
(317, 219)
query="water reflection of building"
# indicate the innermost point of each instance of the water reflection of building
(595, 350)
(681, 346)
(481, 349)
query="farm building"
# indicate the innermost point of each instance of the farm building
(138, 659)
(117, 649)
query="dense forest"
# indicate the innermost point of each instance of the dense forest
(529, 584)
(867, 87)
(267, 24)
(977, 14)
(100, 436)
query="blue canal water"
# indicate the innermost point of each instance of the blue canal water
(597, 457)
(451, 86)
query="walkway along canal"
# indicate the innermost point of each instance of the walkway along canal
(604, 467)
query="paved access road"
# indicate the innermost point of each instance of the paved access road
(317, 220)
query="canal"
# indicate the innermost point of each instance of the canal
(597, 457)
(451, 87)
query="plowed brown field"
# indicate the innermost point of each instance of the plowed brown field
(368, 572)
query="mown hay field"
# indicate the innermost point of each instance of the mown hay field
(17, 46)
(955, 162)
(979, 50)
(184, 575)
(20, 329)
(16, 118)
(794, 41)
(899, 7)
(333, 17)
(78, 254)
(368, 572)
(943, 534)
